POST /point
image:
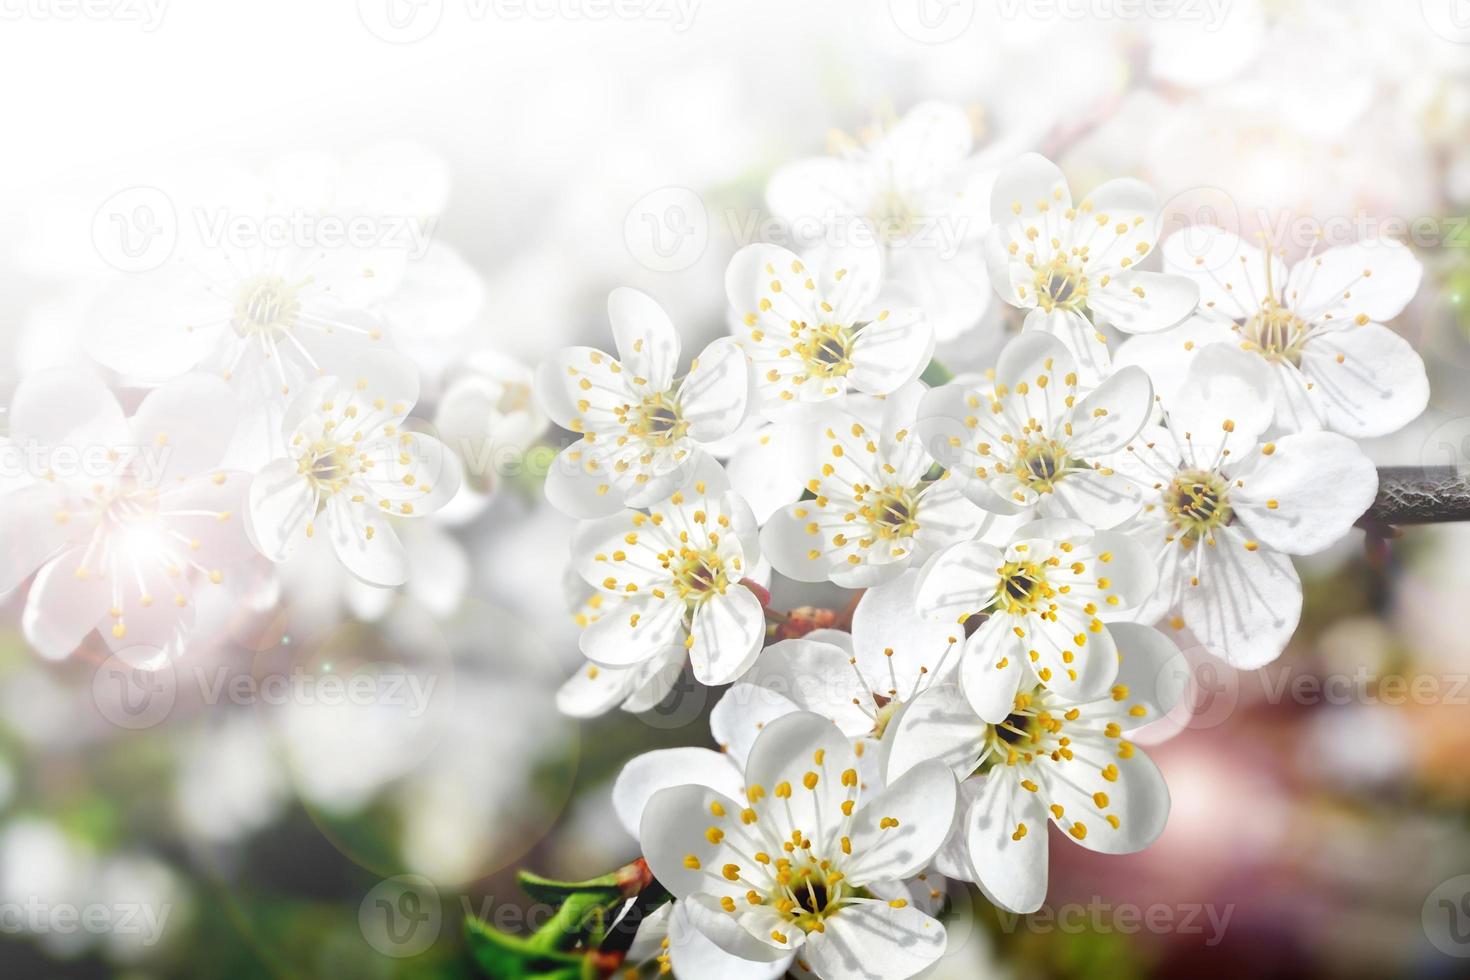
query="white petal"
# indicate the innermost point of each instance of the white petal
(30, 530)
(594, 690)
(693, 955)
(1137, 797)
(876, 942)
(958, 582)
(365, 542)
(714, 396)
(62, 608)
(648, 344)
(1144, 302)
(66, 407)
(817, 677)
(1378, 387)
(786, 751)
(922, 800)
(1088, 346)
(673, 826)
(1167, 355)
(891, 351)
(938, 724)
(1247, 604)
(188, 421)
(1112, 414)
(1012, 871)
(728, 631)
(739, 717)
(1376, 278)
(887, 618)
(1152, 668)
(991, 670)
(579, 485)
(1305, 496)
(1225, 402)
(635, 631)
(1093, 496)
(1031, 179)
(1230, 272)
(747, 935)
(1124, 214)
(282, 504)
(646, 774)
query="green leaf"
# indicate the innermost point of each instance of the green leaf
(510, 958)
(554, 892)
(936, 374)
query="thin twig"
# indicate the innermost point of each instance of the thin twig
(1419, 495)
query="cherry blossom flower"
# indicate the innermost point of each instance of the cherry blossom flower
(915, 189)
(813, 328)
(352, 467)
(1048, 758)
(1064, 263)
(676, 572)
(1225, 509)
(488, 416)
(786, 875)
(1030, 440)
(1043, 597)
(121, 519)
(642, 432)
(1318, 328)
(874, 509)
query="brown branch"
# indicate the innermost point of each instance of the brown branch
(1419, 495)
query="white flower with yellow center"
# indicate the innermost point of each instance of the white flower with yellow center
(642, 431)
(915, 189)
(1224, 509)
(595, 689)
(1041, 601)
(874, 508)
(813, 328)
(1032, 439)
(121, 519)
(677, 574)
(1048, 759)
(1318, 329)
(351, 468)
(784, 871)
(1070, 265)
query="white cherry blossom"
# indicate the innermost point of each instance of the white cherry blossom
(1226, 508)
(874, 508)
(783, 871)
(915, 188)
(1047, 759)
(642, 432)
(1073, 266)
(120, 519)
(814, 328)
(676, 575)
(1318, 328)
(1043, 598)
(1030, 441)
(351, 467)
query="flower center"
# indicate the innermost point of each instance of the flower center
(893, 216)
(1198, 502)
(892, 513)
(1061, 284)
(699, 575)
(329, 466)
(656, 421)
(266, 304)
(808, 894)
(826, 350)
(1038, 464)
(1023, 588)
(1277, 333)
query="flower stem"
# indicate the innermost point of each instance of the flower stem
(1419, 495)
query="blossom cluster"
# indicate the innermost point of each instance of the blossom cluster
(1023, 550)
